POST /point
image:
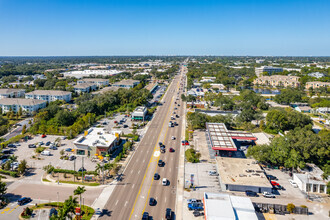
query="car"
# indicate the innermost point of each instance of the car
(24, 200)
(279, 187)
(175, 123)
(11, 146)
(17, 144)
(162, 149)
(82, 169)
(294, 184)
(145, 216)
(172, 150)
(196, 206)
(164, 182)
(184, 142)
(213, 173)
(251, 193)
(268, 195)
(168, 213)
(98, 211)
(160, 163)
(52, 212)
(173, 138)
(45, 153)
(125, 126)
(72, 157)
(68, 149)
(115, 122)
(7, 151)
(274, 183)
(152, 201)
(175, 108)
(64, 138)
(41, 143)
(43, 136)
(32, 146)
(156, 176)
(271, 177)
(177, 116)
(53, 147)
(193, 201)
(48, 143)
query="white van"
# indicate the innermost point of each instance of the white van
(45, 153)
(164, 182)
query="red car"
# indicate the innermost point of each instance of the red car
(171, 150)
(115, 122)
(184, 142)
(274, 183)
(43, 136)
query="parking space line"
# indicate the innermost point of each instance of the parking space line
(13, 209)
(5, 210)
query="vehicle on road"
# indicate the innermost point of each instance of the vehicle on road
(168, 213)
(172, 150)
(251, 193)
(293, 183)
(164, 182)
(156, 176)
(271, 177)
(173, 138)
(213, 173)
(24, 200)
(162, 149)
(145, 216)
(268, 195)
(98, 211)
(160, 163)
(152, 201)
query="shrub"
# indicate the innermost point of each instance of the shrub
(11, 173)
(290, 207)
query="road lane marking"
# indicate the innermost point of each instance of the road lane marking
(126, 203)
(144, 160)
(145, 174)
(116, 202)
(139, 172)
(132, 186)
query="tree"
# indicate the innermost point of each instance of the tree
(22, 167)
(290, 207)
(24, 129)
(69, 206)
(3, 188)
(79, 191)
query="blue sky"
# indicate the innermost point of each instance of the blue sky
(171, 27)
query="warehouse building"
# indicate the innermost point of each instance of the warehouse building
(240, 174)
(224, 206)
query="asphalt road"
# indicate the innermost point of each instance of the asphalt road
(17, 130)
(130, 198)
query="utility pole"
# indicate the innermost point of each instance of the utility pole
(82, 162)
(74, 169)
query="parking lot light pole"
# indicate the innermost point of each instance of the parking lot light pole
(74, 169)
(58, 199)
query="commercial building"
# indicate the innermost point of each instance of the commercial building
(87, 73)
(196, 104)
(27, 105)
(268, 69)
(84, 87)
(49, 95)
(317, 84)
(127, 83)
(97, 81)
(219, 206)
(311, 180)
(11, 93)
(278, 80)
(139, 113)
(221, 139)
(207, 79)
(96, 141)
(240, 174)
(316, 74)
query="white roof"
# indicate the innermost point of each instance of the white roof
(96, 137)
(224, 206)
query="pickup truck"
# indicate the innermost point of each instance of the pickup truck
(195, 206)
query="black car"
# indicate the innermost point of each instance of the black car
(6, 151)
(48, 143)
(32, 146)
(11, 145)
(52, 212)
(82, 169)
(168, 213)
(145, 216)
(251, 193)
(160, 144)
(156, 176)
(271, 177)
(152, 201)
(24, 200)
(125, 126)
(160, 163)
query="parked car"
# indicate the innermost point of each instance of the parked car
(11, 146)
(68, 149)
(193, 200)
(43, 136)
(156, 176)
(41, 143)
(125, 126)
(24, 200)
(145, 216)
(45, 153)
(196, 206)
(32, 146)
(251, 193)
(268, 195)
(184, 142)
(168, 213)
(7, 151)
(72, 157)
(48, 143)
(293, 183)
(53, 147)
(274, 183)
(152, 201)
(213, 173)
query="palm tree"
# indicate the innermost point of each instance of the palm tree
(69, 206)
(80, 190)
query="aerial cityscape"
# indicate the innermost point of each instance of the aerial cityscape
(157, 110)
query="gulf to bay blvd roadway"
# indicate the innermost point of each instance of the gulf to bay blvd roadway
(125, 197)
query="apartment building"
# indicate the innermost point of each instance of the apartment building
(27, 105)
(97, 81)
(127, 83)
(268, 69)
(317, 84)
(278, 80)
(84, 87)
(11, 93)
(49, 95)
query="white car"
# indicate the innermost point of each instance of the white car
(213, 173)
(293, 183)
(268, 195)
(173, 138)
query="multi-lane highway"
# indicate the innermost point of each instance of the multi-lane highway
(131, 196)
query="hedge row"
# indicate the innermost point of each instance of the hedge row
(73, 172)
(11, 173)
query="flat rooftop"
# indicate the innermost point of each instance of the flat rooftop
(224, 206)
(96, 137)
(222, 139)
(127, 82)
(239, 171)
(140, 109)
